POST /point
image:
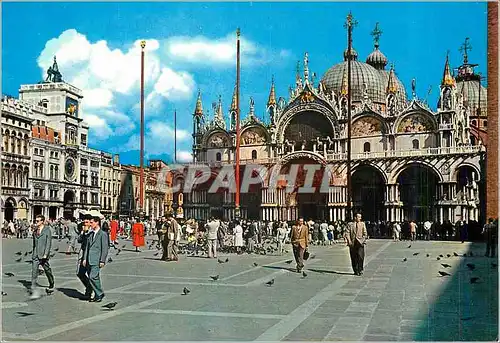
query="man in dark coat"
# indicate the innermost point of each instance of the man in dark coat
(42, 242)
(95, 256)
(81, 270)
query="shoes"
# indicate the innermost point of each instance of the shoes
(35, 295)
(49, 290)
(97, 299)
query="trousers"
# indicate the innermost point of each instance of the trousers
(357, 252)
(212, 248)
(95, 280)
(46, 267)
(298, 253)
(81, 273)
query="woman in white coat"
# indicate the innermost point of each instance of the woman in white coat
(238, 236)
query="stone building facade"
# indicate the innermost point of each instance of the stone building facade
(60, 173)
(17, 117)
(110, 183)
(408, 162)
(154, 196)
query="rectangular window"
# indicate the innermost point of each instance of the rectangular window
(83, 139)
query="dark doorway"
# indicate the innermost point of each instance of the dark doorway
(312, 206)
(37, 209)
(417, 184)
(9, 210)
(53, 212)
(368, 193)
(69, 204)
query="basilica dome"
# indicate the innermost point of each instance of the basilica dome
(362, 75)
(472, 94)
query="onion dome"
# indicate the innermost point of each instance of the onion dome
(353, 54)
(377, 59)
(469, 83)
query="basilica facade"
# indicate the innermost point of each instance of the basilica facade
(408, 162)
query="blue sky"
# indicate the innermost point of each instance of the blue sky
(190, 46)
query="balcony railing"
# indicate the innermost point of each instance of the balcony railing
(447, 126)
(470, 149)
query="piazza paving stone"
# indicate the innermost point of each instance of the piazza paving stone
(393, 300)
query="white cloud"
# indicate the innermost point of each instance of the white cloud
(159, 138)
(98, 97)
(100, 129)
(104, 74)
(205, 51)
(184, 156)
(174, 85)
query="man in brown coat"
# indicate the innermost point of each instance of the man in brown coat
(300, 242)
(356, 237)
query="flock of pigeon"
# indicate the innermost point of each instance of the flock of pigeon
(470, 266)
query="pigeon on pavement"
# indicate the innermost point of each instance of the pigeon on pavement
(445, 265)
(110, 306)
(471, 266)
(185, 291)
(443, 273)
(270, 283)
(215, 278)
(9, 274)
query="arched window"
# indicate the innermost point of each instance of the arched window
(19, 145)
(474, 123)
(13, 144)
(366, 147)
(415, 144)
(36, 151)
(485, 123)
(56, 172)
(218, 156)
(254, 154)
(25, 146)
(51, 172)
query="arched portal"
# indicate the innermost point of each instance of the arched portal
(368, 193)
(69, 204)
(9, 209)
(22, 209)
(305, 127)
(467, 192)
(301, 202)
(418, 187)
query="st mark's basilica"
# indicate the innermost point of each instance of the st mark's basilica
(408, 161)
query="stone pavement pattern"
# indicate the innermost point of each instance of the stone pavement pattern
(393, 300)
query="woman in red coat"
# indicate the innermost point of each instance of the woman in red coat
(113, 231)
(138, 235)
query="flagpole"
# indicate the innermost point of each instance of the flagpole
(141, 183)
(350, 23)
(175, 136)
(237, 152)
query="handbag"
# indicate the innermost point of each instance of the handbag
(306, 254)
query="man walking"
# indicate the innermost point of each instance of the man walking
(300, 242)
(174, 237)
(42, 241)
(212, 229)
(356, 238)
(81, 271)
(95, 256)
(489, 232)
